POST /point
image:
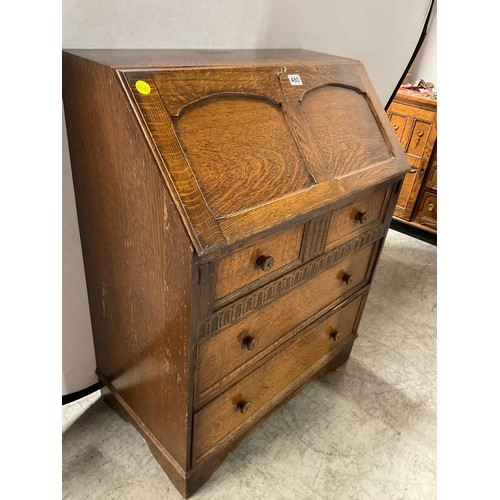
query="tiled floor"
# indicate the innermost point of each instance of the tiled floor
(367, 431)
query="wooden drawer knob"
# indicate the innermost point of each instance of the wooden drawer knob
(243, 406)
(361, 216)
(249, 343)
(347, 278)
(265, 262)
(334, 335)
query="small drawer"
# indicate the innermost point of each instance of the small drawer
(242, 342)
(270, 383)
(427, 215)
(356, 217)
(257, 261)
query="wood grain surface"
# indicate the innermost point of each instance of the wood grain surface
(137, 256)
(183, 88)
(345, 130)
(242, 153)
(192, 206)
(246, 305)
(219, 418)
(343, 222)
(325, 195)
(223, 353)
(314, 76)
(181, 58)
(418, 139)
(275, 154)
(240, 268)
(427, 213)
(190, 165)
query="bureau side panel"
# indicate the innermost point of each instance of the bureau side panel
(137, 256)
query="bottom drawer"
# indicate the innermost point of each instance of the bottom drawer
(427, 216)
(267, 385)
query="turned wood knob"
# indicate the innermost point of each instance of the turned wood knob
(347, 278)
(361, 216)
(243, 406)
(334, 335)
(265, 262)
(249, 343)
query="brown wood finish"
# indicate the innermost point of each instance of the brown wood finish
(136, 253)
(356, 217)
(186, 58)
(242, 267)
(432, 179)
(223, 353)
(380, 115)
(218, 211)
(269, 292)
(250, 395)
(315, 236)
(215, 136)
(414, 119)
(188, 87)
(316, 199)
(427, 214)
(315, 76)
(202, 471)
(303, 136)
(192, 206)
(197, 180)
(345, 131)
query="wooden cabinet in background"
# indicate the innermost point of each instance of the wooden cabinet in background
(414, 119)
(232, 207)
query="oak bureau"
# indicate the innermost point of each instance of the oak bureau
(232, 207)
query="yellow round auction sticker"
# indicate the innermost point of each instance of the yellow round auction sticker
(143, 87)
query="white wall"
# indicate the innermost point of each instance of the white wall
(78, 359)
(425, 65)
(380, 33)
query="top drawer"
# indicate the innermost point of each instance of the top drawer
(357, 217)
(257, 261)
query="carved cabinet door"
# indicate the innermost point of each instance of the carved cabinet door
(416, 130)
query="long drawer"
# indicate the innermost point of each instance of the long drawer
(238, 344)
(271, 382)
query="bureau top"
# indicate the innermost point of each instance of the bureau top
(245, 140)
(156, 58)
(415, 100)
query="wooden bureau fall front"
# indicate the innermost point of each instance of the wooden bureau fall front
(232, 207)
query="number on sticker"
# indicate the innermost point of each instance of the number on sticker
(295, 79)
